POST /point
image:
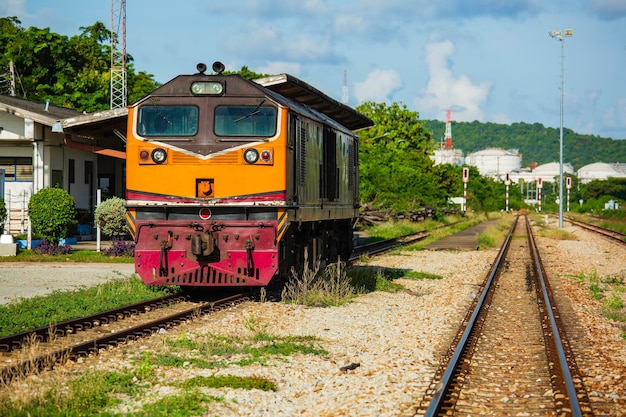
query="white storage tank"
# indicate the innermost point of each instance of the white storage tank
(495, 162)
(600, 171)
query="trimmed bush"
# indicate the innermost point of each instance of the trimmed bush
(52, 212)
(110, 215)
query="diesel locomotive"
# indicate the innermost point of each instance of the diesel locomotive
(232, 182)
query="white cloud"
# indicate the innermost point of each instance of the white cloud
(13, 8)
(378, 86)
(257, 40)
(446, 90)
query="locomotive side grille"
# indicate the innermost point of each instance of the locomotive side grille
(302, 155)
(351, 167)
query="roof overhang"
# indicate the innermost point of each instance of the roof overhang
(26, 114)
(301, 92)
(106, 129)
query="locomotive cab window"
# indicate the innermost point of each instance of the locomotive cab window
(242, 121)
(168, 121)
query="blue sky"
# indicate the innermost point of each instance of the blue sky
(487, 60)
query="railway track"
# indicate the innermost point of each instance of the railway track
(383, 246)
(35, 350)
(602, 231)
(38, 351)
(511, 356)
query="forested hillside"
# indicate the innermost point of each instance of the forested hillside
(535, 142)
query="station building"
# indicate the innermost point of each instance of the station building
(42, 145)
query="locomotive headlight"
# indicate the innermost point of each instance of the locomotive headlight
(251, 155)
(159, 155)
(207, 88)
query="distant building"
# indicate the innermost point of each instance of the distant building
(448, 156)
(547, 172)
(601, 171)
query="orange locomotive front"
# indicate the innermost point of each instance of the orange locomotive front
(216, 182)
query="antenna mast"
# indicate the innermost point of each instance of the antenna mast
(118, 54)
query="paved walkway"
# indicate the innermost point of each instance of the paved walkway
(466, 240)
(28, 279)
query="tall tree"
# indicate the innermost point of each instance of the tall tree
(72, 71)
(396, 169)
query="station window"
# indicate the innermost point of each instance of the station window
(17, 169)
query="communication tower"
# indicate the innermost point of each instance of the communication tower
(118, 54)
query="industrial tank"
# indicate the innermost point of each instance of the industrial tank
(495, 162)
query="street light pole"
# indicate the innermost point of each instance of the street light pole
(560, 35)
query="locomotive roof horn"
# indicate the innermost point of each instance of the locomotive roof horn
(218, 67)
(201, 67)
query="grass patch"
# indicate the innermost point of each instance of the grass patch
(558, 234)
(330, 287)
(230, 381)
(131, 392)
(26, 255)
(610, 290)
(85, 395)
(185, 404)
(41, 311)
(218, 351)
(313, 288)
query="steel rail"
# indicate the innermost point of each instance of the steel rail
(439, 396)
(557, 339)
(602, 231)
(47, 361)
(44, 334)
(387, 244)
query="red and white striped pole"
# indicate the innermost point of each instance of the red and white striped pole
(539, 186)
(507, 182)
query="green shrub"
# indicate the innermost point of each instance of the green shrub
(3, 213)
(52, 213)
(110, 215)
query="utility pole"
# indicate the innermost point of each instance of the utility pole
(560, 35)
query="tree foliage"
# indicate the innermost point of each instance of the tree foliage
(110, 215)
(52, 212)
(72, 72)
(246, 73)
(395, 166)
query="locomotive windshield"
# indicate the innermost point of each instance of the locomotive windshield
(245, 121)
(168, 121)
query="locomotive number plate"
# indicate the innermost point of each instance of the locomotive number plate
(205, 188)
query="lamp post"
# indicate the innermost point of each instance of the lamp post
(560, 35)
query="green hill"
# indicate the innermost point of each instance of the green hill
(535, 142)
